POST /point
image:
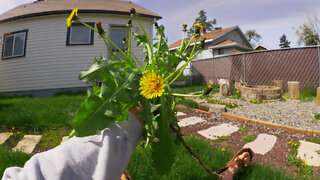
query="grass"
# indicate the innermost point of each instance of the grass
(249, 138)
(40, 113)
(317, 116)
(187, 167)
(10, 158)
(51, 139)
(307, 94)
(188, 103)
(188, 89)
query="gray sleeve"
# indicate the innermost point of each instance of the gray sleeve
(102, 156)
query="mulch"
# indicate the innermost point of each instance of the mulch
(276, 157)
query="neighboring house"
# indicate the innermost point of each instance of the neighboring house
(261, 47)
(42, 56)
(219, 42)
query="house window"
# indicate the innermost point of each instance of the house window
(220, 51)
(78, 34)
(14, 44)
(116, 35)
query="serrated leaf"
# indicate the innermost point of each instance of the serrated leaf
(88, 110)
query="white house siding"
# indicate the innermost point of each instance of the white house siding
(49, 63)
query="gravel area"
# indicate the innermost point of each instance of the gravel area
(293, 113)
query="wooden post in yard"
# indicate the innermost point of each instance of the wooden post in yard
(278, 83)
(318, 96)
(294, 89)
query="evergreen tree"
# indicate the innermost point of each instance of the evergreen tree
(284, 43)
(202, 20)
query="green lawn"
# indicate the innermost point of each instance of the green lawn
(187, 167)
(9, 158)
(39, 113)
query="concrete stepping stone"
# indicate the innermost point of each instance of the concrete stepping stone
(28, 143)
(263, 144)
(64, 139)
(190, 121)
(180, 114)
(217, 131)
(309, 152)
(4, 137)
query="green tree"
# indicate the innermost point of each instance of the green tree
(252, 35)
(308, 32)
(284, 43)
(202, 20)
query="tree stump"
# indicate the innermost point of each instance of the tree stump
(278, 83)
(294, 89)
(318, 96)
(225, 87)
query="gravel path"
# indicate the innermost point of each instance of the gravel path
(293, 113)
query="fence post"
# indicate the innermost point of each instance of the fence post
(319, 63)
(244, 69)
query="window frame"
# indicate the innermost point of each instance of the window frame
(24, 45)
(91, 36)
(117, 25)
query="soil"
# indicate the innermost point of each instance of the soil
(276, 157)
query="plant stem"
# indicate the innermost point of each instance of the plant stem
(104, 37)
(184, 66)
(192, 152)
(149, 43)
(187, 95)
(188, 45)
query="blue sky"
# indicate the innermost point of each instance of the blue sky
(270, 18)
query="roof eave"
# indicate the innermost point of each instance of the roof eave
(69, 11)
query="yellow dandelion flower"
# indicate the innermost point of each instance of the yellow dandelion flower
(238, 92)
(18, 132)
(151, 85)
(290, 142)
(223, 149)
(291, 97)
(12, 128)
(73, 16)
(248, 134)
(11, 134)
(305, 164)
(223, 135)
(198, 26)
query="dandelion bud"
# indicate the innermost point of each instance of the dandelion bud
(184, 27)
(156, 25)
(129, 24)
(100, 29)
(207, 90)
(133, 12)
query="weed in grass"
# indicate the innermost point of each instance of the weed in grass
(221, 138)
(314, 139)
(284, 99)
(257, 101)
(236, 95)
(301, 166)
(249, 138)
(51, 139)
(9, 158)
(14, 138)
(317, 116)
(229, 104)
(242, 129)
